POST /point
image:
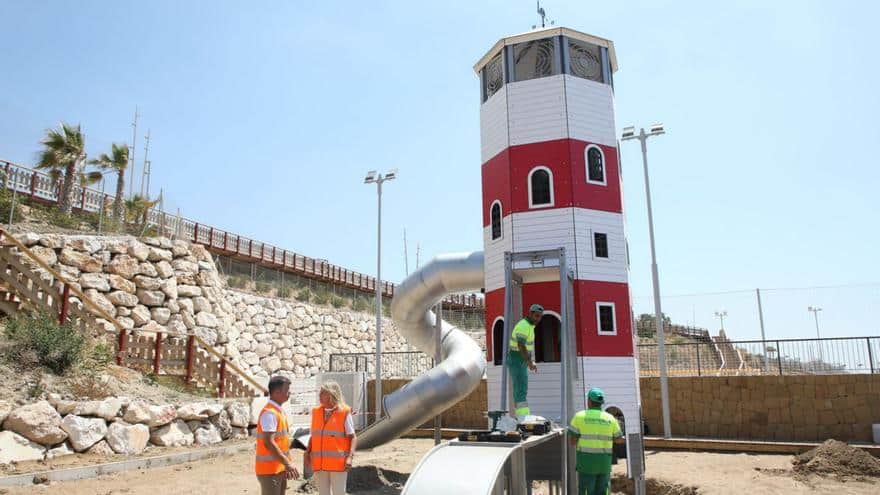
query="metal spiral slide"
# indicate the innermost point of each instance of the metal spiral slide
(463, 364)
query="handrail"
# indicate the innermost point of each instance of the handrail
(217, 239)
(7, 237)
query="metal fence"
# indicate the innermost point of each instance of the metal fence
(394, 364)
(772, 357)
(844, 355)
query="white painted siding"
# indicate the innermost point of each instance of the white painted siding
(493, 125)
(616, 376)
(544, 391)
(536, 110)
(545, 229)
(590, 111)
(611, 269)
(493, 254)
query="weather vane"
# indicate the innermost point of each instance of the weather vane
(543, 15)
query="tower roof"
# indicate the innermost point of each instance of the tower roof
(537, 34)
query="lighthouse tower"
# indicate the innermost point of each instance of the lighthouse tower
(551, 179)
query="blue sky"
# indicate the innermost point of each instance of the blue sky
(265, 115)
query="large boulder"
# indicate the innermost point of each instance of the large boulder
(83, 432)
(82, 243)
(257, 405)
(175, 434)
(98, 281)
(46, 254)
(221, 422)
(101, 301)
(81, 261)
(160, 315)
(121, 298)
(142, 412)
(139, 251)
(198, 411)
(157, 254)
(119, 283)
(107, 408)
(38, 422)
(205, 319)
(189, 291)
(164, 269)
(208, 434)
(140, 314)
(59, 451)
(169, 287)
(101, 449)
(16, 448)
(239, 414)
(128, 439)
(123, 265)
(151, 297)
(147, 283)
(5, 409)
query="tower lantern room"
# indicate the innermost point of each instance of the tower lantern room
(551, 179)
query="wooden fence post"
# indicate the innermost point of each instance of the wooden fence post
(221, 387)
(65, 304)
(120, 347)
(157, 354)
(34, 187)
(190, 357)
(196, 234)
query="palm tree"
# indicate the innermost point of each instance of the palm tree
(137, 208)
(117, 161)
(62, 152)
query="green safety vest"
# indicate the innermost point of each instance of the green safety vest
(596, 431)
(523, 330)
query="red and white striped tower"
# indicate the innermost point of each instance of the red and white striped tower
(551, 178)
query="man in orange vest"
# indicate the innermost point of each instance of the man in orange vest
(273, 465)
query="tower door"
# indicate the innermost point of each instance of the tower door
(548, 347)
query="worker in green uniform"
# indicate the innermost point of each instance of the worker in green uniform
(520, 353)
(593, 432)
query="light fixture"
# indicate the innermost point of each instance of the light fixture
(628, 132)
(657, 129)
(371, 177)
(392, 174)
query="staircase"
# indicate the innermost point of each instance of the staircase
(28, 283)
(731, 359)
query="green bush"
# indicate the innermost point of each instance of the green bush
(337, 301)
(237, 281)
(6, 205)
(304, 295)
(40, 339)
(360, 304)
(321, 297)
(262, 287)
(283, 292)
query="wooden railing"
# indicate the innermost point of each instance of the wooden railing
(43, 288)
(39, 187)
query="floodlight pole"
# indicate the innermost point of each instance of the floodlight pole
(642, 136)
(378, 179)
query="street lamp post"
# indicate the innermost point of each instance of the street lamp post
(721, 315)
(629, 133)
(815, 310)
(373, 177)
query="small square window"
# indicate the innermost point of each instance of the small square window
(600, 241)
(607, 322)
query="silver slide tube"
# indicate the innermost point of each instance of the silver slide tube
(463, 364)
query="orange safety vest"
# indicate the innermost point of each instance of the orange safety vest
(329, 443)
(266, 463)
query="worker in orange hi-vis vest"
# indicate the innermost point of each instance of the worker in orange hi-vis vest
(273, 465)
(332, 442)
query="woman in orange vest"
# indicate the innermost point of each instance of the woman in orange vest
(332, 442)
(272, 463)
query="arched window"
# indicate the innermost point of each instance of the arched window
(595, 165)
(540, 187)
(547, 342)
(495, 218)
(498, 341)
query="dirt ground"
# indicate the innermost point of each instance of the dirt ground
(383, 472)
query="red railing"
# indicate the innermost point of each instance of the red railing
(39, 186)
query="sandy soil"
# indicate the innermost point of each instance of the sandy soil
(383, 472)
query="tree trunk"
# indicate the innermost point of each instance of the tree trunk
(65, 202)
(118, 205)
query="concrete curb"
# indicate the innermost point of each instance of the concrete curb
(87, 472)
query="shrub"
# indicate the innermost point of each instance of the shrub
(304, 295)
(237, 281)
(283, 292)
(322, 297)
(360, 304)
(40, 339)
(6, 205)
(262, 287)
(337, 301)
